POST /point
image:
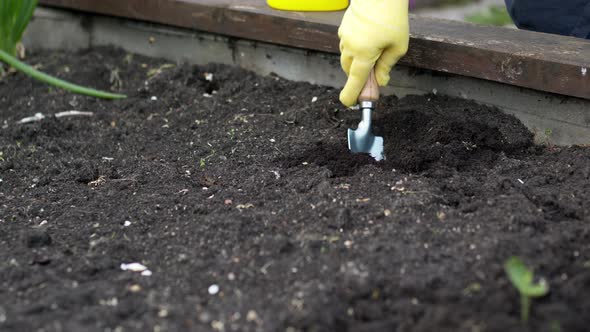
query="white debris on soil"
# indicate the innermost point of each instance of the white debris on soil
(108, 158)
(208, 77)
(521, 182)
(36, 117)
(252, 317)
(127, 223)
(135, 288)
(218, 325)
(112, 302)
(163, 313)
(244, 206)
(100, 181)
(277, 174)
(73, 113)
(154, 98)
(213, 289)
(314, 99)
(136, 267)
(40, 116)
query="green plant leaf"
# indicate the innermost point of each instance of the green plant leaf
(5, 16)
(522, 278)
(25, 13)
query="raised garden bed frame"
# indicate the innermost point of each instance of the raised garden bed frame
(542, 79)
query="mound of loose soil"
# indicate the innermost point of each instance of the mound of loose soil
(239, 195)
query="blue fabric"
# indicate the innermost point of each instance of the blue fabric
(564, 17)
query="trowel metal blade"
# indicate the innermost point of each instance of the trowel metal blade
(373, 145)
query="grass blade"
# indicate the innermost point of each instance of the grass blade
(5, 16)
(25, 13)
(12, 12)
(14, 62)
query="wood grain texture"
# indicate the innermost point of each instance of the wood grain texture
(544, 62)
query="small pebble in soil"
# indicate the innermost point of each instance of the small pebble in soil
(136, 267)
(252, 316)
(135, 288)
(213, 289)
(163, 313)
(37, 238)
(217, 325)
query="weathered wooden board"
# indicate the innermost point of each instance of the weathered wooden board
(538, 61)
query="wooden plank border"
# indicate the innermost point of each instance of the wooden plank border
(543, 62)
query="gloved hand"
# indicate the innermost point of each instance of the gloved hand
(373, 33)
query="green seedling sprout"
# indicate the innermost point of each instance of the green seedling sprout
(522, 279)
(14, 18)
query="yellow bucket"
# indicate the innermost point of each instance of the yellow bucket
(308, 5)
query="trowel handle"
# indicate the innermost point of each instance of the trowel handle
(371, 90)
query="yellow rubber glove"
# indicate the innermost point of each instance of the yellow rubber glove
(373, 33)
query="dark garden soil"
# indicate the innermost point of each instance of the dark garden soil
(243, 183)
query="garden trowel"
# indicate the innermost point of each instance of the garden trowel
(362, 139)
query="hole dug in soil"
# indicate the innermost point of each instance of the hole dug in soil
(238, 194)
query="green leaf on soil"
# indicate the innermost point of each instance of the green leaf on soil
(522, 279)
